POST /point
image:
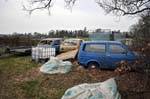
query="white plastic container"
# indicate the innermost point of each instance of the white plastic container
(41, 53)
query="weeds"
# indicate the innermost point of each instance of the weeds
(20, 79)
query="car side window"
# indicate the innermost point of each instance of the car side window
(94, 48)
(116, 49)
(45, 42)
(57, 42)
(49, 42)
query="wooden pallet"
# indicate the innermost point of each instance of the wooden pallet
(68, 55)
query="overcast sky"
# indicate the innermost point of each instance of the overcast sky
(85, 13)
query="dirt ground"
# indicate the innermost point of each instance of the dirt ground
(17, 82)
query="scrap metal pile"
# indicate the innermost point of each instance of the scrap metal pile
(141, 65)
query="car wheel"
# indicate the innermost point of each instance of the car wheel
(93, 65)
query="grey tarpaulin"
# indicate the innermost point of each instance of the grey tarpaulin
(102, 90)
(54, 65)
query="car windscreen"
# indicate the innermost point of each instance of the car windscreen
(70, 42)
(45, 42)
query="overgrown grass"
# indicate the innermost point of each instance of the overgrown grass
(16, 65)
(31, 88)
(2, 49)
(10, 68)
(20, 80)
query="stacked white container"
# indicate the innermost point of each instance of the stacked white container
(42, 53)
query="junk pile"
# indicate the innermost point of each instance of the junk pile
(141, 65)
(102, 90)
(54, 65)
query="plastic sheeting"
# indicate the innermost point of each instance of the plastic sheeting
(54, 65)
(102, 90)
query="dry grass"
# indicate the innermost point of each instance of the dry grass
(20, 79)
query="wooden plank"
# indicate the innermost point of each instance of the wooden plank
(67, 55)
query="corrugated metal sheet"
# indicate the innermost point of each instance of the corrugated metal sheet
(118, 36)
(107, 36)
(99, 36)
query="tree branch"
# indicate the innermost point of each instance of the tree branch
(118, 7)
(126, 7)
(139, 11)
(43, 4)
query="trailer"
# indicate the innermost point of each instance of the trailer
(20, 50)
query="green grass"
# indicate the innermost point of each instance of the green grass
(2, 49)
(31, 88)
(20, 79)
(16, 65)
(11, 68)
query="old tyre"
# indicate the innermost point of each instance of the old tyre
(93, 65)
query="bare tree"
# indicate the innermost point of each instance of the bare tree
(118, 7)
(124, 7)
(142, 28)
(44, 4)
(37, 5)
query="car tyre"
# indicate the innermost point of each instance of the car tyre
(93, 65)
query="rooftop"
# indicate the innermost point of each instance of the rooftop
(52, 39)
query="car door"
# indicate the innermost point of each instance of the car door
(94, 52)
(116, 53)
(57, 45)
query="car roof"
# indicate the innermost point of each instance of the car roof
(73, 39)
(52, 39)
(111, 42)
